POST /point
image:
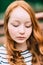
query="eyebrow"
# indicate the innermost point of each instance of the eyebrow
(25, 21)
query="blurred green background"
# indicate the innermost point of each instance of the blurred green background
(36, 4)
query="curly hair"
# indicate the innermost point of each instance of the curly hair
(36, 40)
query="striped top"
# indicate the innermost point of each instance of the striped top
(4, 59)
(27, 57)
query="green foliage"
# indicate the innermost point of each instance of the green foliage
(36, 4)
(4, 4)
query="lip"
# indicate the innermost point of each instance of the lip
(21, 38)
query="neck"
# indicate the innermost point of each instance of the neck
(21, 47)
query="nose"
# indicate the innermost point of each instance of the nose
(22, 30)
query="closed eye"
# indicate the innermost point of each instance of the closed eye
(15, 25)
(28, 26)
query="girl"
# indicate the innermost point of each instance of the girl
(24, 41)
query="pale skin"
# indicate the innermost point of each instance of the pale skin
(20, 27)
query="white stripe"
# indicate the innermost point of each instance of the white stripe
(28, 59)
(28, 63)
(24, 52)
(26, 55)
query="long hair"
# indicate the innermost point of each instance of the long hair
(36, 40)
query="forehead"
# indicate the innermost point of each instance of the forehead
(20, 14)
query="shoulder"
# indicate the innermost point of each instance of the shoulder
(3, 56)
(2, 51)
(2, 47)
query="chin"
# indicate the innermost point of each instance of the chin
(20, 42)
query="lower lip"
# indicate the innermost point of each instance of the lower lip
(20, 38)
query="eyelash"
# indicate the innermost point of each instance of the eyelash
(25, 26)
(15, 25)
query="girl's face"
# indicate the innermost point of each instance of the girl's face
(19, 25)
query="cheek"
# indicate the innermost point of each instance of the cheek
(12, 30)
(28, 32)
